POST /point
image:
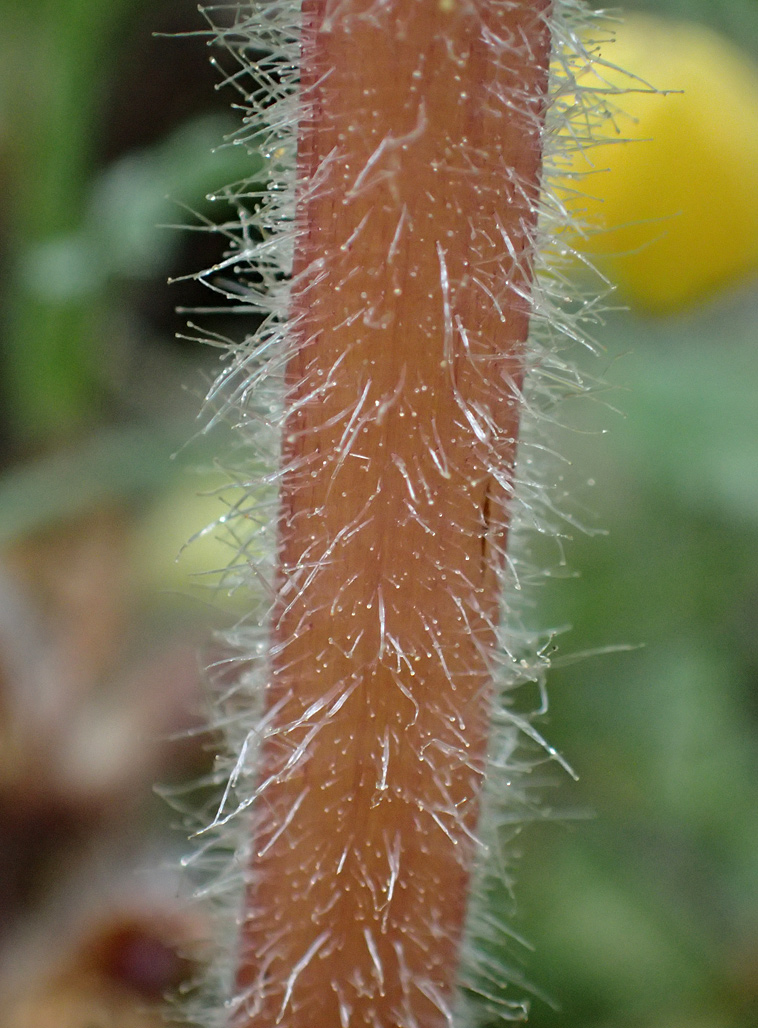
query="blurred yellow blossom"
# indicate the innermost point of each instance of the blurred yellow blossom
(678, 207)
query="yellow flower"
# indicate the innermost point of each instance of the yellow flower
(678, 208)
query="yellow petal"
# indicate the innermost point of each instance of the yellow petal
(678, 203)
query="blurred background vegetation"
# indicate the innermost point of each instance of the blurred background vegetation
(641, 894)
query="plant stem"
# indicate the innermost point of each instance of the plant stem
(51, 344)
(419, 157)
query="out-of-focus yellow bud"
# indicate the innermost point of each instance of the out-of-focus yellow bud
(181, 549)
(679, 207)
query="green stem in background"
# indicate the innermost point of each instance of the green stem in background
(51, 355)
(419, 156)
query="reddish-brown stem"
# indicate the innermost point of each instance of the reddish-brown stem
(419, 157)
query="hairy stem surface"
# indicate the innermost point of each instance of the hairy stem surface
(419, 155)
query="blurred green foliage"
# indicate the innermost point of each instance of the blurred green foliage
(643, 904)
(642, 901)
(735, 18)
(82, 228)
